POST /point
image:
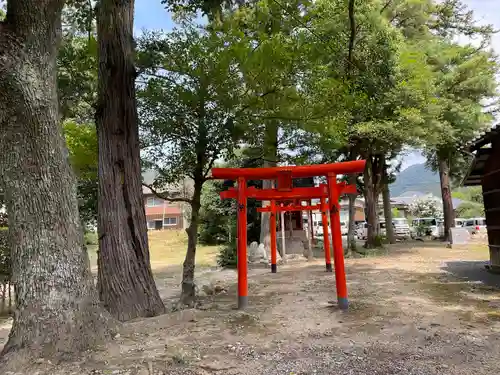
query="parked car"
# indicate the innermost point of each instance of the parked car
(475, 225)
(362, 230)
(426, 226)
(401, 228)
(319, 231)
(460, 222)
(344, 228)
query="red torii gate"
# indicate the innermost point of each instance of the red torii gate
(285, 191)
(343, 188)
(306, 194)
(273, 209)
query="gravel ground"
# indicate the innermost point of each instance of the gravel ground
(417, 309)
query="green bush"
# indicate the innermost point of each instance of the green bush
(228, 254)
(227, 257)
(379, 241)
(91, 238)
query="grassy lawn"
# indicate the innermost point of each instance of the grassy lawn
(168, 248)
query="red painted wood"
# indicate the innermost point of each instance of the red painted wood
(326, 233)
(272, 225)
(298, 171)
(242, 241)
(338, 251)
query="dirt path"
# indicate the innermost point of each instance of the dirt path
(412, 312)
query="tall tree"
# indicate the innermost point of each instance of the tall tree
(125, 280)
(382, 92)
(51, 268)
(462, 77)
(193, 106)
(465, 78)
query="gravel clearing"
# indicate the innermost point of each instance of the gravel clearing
(418, 309)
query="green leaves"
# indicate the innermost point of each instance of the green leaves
(192, 101)
(464, 78)
(77, 77)
(82, 145)
(83, 154)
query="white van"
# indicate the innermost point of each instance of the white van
(431, 224)
(475, 225)
(362, 230)
(344, 229)
(401, 228)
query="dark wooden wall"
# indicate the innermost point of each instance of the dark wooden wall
(491, 194)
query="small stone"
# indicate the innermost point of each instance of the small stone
(218, 289)
(208, 289)
(117, 336)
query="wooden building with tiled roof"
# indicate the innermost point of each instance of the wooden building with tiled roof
(485, 171)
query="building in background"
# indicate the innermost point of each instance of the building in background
(403, 202)
(485, 171)
(162, 214)
(359, 211)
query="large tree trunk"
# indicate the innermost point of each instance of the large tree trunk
(57, 312)
(188, 294)
(126, 283)
(386, 197)
(444, 177)
(270, 156)
(351, 233)
(371, 203)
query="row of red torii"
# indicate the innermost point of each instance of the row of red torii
(283, 192)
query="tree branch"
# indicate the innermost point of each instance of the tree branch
(209, 166)
(166, 197)
(385, 6)
(352, 35)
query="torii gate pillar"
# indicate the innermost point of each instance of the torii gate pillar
(338, 251)
(242, 244)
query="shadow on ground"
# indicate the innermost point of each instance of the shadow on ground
(474, 271)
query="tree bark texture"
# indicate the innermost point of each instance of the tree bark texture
(372, 179)
(188, 293)
(444, 177)
(371, 212)
(386, 197)
(270, 159)
(57, 313)
(126, 283)
(351, 233)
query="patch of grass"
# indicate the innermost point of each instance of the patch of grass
(479, 249)
(167, 248)
(91, 238)
(242, 319)
(375, 252)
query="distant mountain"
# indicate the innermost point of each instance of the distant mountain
(416, 178)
